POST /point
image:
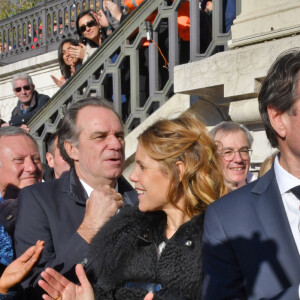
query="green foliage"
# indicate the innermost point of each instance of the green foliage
(10, 8)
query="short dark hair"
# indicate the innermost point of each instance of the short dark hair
(50, 143)
(278, 89)
(15, 131)
(68, 130)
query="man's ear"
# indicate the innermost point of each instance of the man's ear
(278, 121)
(50, 160)
(181, 168)
(71, 150)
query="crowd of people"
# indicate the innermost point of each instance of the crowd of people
(92, 29)
(197, 224)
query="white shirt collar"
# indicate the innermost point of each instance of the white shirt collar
(285, 180)
(89, 189)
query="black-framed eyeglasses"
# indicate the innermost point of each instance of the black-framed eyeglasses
(25, 88)
(89, 24)
(229, 153)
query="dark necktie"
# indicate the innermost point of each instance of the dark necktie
(296, 191)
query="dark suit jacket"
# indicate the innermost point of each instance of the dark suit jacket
(52, 211)
(248, 248)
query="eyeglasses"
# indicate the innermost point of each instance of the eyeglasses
(229, 153)
(89, 24)
(25, 87)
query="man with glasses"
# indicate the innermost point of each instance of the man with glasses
(29, 100)
(251, 240)
(234, 143)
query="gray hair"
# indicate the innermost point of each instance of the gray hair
(69, 131)
(23, 76)
(229, 126)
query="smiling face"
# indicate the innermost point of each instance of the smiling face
(90, 33)
(150, 182)
(68, 59)
(99, 153)
(20, 162)
(25, 94)
(236, 170)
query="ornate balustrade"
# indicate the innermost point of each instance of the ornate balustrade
(39, 30)
(116, 70)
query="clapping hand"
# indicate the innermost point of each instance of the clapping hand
(100, 18)
(77, 51)
(59, 287)
(113, 9)
(19, 268)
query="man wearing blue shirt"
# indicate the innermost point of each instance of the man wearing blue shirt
(20, 166)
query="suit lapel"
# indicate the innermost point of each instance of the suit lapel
(75, 188)
(273, 219)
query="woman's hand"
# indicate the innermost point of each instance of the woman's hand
(59, 82)
(149, 296)
(100, 18)
(19, 268)
(59, 287)
(73, 69)
(113, 9)
(77, 51)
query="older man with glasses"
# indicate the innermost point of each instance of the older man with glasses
(29, 100)
(234, 143)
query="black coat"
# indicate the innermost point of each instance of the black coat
(125, 251)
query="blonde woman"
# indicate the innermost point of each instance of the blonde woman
(156, 248)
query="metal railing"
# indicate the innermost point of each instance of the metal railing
(40, 30)
(116, 70)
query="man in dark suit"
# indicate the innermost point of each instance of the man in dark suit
(66, 213)
(251, 237)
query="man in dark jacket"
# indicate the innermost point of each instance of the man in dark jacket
(29, 100)
(67, 213)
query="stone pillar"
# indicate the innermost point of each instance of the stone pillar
(262, 20)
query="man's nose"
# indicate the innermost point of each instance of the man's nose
(29, 165)
(114, 142)
(237, 157)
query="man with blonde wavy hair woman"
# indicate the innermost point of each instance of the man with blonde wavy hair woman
(156, 247)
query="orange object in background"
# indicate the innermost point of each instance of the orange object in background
(183, 18)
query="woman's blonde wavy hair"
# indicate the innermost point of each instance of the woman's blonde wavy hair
(186, 139)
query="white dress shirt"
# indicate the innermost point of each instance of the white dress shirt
(89, 189)
(286, 182)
